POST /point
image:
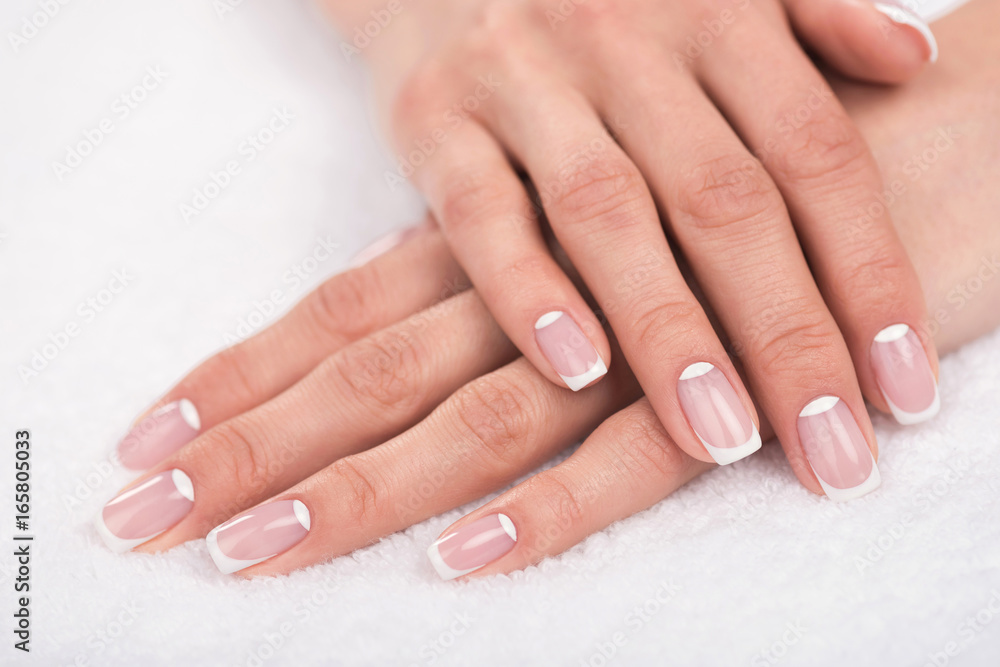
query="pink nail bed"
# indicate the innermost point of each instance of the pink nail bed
(258, 534)
(473, 546)
(836, 449)
(904, 375)
(716, 413)
(568, 349)
(159, 435)
(142, 512)
(900, 14)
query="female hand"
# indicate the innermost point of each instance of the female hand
(347, 428)
(616, 118)
(265, 404)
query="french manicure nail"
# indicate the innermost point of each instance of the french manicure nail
(901, 14)
(716, 413)
(258, 534)
(570, 352)
(383, 245)
(473, 546)
(836, 449)
(904, 375)
(142, 512)
(159, 435)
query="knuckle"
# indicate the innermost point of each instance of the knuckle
(496, 416)
(471, 194)
(418, 95)
(365, 492)
(496, 26)
(382, 370)
(239, 447)
(666, 321)
(875, 275)
(348, 305)
(594, 185)
(827, 144)
(724, 191)
(801, 338)
(645, 449)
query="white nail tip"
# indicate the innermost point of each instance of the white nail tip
(226, 564)
(905, 17)
(892, 333)
(696, 370)
(190, 414)
(442, 568)
(113, 542)
(548, 318)
(910, 418)
(508, 526)
(726, 455)
(819, 406)
(578, 382)
(301, 513)
(844, 495)
(182, 483)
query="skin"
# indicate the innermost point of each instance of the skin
(737, 148)
(365, 391)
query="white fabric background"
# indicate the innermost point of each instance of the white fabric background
(745, 552)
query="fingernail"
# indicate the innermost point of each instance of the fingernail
(258, 534)
(836, 449)
(570, 352)
(473, 546)
(383, 245)
(901, 14)
(142, 512)
(716, 413)
(904, 375)
(159, 435)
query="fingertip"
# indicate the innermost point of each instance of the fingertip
(881, 42)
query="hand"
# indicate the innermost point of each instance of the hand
(277, 408)
(614, 118)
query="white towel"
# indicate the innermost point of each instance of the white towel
(741, 567)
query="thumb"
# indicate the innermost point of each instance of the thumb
(882, 41)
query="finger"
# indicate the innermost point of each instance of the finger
(834, 192)
(343, 309)
(487, 434)
(730, 221)
(360, 396)
(882, 41)
(604, 217)
(627, 465)
(486, 215)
